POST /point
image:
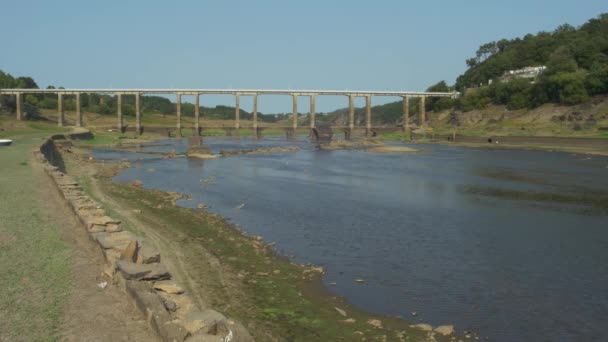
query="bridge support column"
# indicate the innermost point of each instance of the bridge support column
(351, 116)
(197, 115)
(406, 113)
(422, 111)
(255, 116)
(178, 101)
(368, 115)
(19, 109)
(60, 113)
(121, 124)
(78, 111)
(312, 111)
(138, 127)
(237, 112)
(295, 112)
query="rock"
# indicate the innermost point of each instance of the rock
(137, 211)
(340, 311)
(102, 223)
(168, 287)
(444, 330)
(133, 271)
(349, 320)
(202, 155)
(170, 305)
(205, 338)
(205, 322)
(137, 183)
(423, 327)
(359, 281)
(119, 240)
(130, 253)
(147, 254)
(375, 323)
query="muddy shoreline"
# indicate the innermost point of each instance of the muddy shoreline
(593, 146)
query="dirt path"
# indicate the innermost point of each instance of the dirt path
(90, 313)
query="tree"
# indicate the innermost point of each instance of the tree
(596, 81)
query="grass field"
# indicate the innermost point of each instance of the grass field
(34, 260)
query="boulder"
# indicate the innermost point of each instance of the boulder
(147, 254)
(130, 253)
(168, 287)
(375, 323)
(423, 327)
(169, 304)
(102, 223)
(118, 240)
(444, 330)
(133, 271)
(203, 322)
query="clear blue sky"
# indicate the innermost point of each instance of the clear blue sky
(365, 45)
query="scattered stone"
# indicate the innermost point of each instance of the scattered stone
(137, 183)
(102, 285)
(349, 320)
(133, 271)
(340, 311)
(170, 305)
(147, 254)
(422, 326)
(118, 240)
(130, 253)
(137, 211)
(444, 330)
(359, 281)
(170, 288)
(102, 223)
(205, 321)
(375, 323)
(414, 313)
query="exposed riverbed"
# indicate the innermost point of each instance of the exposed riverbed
(510, 244)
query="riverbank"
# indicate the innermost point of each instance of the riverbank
(48, 269)
(593, 146)
(240, 275)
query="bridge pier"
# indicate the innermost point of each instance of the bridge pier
(312, 111)
(406, 113)
(60, 113)
(19, 105)
(422, 111)
(368, 116)
(197, 115)
(237, 112)
(178, 102)
(294, 126)
(138, 127)
(121, 125)
(351, 117)
(257, 133)
(78, 111)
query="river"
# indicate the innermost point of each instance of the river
(510, 244)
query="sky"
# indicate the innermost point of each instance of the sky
(268, 44)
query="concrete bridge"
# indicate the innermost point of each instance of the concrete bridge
(237, 93)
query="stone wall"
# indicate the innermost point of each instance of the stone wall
(135, 265)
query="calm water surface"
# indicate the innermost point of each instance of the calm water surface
(510, 244)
